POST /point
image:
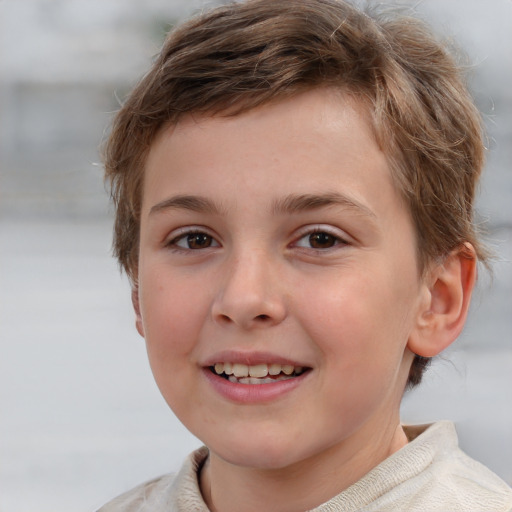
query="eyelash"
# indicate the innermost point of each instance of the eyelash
(186, 234)
(319, 230)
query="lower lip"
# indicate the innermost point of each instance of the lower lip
(253, 393)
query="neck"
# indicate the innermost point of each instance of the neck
(302, 486)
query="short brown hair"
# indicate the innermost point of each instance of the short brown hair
(242, 55)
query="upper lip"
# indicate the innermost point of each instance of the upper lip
(250, 358)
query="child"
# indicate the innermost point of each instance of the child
(293, 184)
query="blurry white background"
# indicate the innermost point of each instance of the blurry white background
(80, 417)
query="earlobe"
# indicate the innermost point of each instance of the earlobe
(136, 307)
(447, 297)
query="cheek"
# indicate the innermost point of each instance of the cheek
(360, 324)
(362, 358)
(172, 316)
(172, 325)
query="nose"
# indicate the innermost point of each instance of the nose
(250, 294)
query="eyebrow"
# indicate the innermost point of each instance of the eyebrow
(307, 202)
(186, 202)
(290, 204)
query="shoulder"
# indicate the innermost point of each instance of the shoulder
(430, 474)
(138, 498)
(468, 482)
(451, 480)
(169, 493)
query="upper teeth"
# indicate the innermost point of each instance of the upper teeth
(257, 370)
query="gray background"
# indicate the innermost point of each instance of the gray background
(81, 419)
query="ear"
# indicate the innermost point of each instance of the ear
(136, 308)
(445, 304)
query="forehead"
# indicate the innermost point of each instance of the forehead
(319, 141)
(311, 125)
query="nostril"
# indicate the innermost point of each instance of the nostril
(262, 317)
(225, 318)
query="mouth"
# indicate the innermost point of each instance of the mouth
(257, 374)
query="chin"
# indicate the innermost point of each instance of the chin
(259, 458)
(258, 451)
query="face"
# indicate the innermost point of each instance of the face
(278, 283)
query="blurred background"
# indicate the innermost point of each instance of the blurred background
(81, 419)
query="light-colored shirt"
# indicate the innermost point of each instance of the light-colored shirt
(429, 474)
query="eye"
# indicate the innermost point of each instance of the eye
(194, 241)
(319, 240)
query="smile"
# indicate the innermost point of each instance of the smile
(258, 373)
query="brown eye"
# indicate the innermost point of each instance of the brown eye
(322, 240)
(194, 241)
(199, 241)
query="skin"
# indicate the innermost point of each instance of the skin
(349, 305)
